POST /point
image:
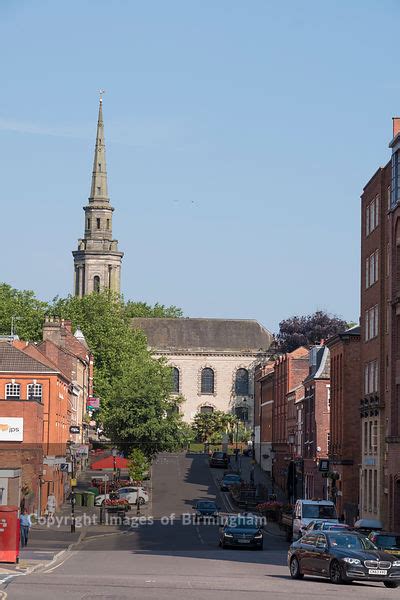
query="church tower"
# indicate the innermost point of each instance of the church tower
(97, 261)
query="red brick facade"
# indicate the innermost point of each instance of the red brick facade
(289, 371)
(345, 439)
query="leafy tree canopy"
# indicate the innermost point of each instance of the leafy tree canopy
(307, 330)
(137, 410)
(138, 465)
(28, 311)
(210, 427)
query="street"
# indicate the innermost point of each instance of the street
(172, 560)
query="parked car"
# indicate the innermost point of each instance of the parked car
(219, 459)
(326, 526)
(342, 557)
(125, 493)
(386, 541)
(205, 508)
(242, 531)
(228, 480)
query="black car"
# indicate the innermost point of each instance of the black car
(219, 459)
(343, 557)
(241, 531)
(205, 508)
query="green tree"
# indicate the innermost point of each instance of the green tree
(28, 310)
(135, 388)
(212, 426)
(138, 465)
(142, 309)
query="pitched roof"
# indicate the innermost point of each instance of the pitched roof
(322, 367)
(188, 334)
(13, 360)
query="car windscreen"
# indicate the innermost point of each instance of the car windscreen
(350, 542)
(218, 455)
(319, 511)
(231, 478)
(388, 542)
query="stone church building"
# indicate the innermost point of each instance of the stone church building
(213, 361)
(97, 261)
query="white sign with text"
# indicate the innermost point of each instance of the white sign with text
(11, 429)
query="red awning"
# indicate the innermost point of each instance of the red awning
(108, 463)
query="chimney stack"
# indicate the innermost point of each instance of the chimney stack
(396, 126)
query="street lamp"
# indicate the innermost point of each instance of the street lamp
(114, 453)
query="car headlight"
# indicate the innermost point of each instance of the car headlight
(396, 563)
(352, 561)
(258, 536)
(229, 535)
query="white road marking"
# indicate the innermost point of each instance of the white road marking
(3, 595)
(199, 534)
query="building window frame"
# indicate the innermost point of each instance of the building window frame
(34, 391)
(242, 382)
(207, 381)
(176, 380)
(13, 391)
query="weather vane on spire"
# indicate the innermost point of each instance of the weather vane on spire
(101, 92)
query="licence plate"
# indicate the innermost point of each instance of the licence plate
(377, 572)
(244, 541)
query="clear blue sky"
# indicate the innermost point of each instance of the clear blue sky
(239, 136)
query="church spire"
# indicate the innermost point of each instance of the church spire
(97, 261)
(99, 191)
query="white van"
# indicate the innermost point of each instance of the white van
(306, 511)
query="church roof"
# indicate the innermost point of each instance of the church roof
(188, 334)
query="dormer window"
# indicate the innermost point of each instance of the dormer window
(98, 223)
(99, 167)
(99, 191)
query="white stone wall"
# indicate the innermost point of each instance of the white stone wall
(224, 367)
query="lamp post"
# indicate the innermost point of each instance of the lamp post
(114, 453)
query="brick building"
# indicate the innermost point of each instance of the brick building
(71, 354)
(295, 402)
(263, 411)
(392, 359)
(374, 346)
(345, 439)
(316, 409)
(289, 371)
(28, 397)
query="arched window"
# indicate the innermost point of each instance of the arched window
(175, 380)
(96, 283)
(242, 382)
(207, 381)
(206, 410)
(35, 391)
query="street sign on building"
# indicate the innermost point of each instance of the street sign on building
(93, 402)
(74, 429)
(324, 465)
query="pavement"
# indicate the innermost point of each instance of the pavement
(165, 558)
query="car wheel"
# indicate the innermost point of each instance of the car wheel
(390, 584)
(223, 545)
(335, 573)
(260, 547)
(295, 569)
